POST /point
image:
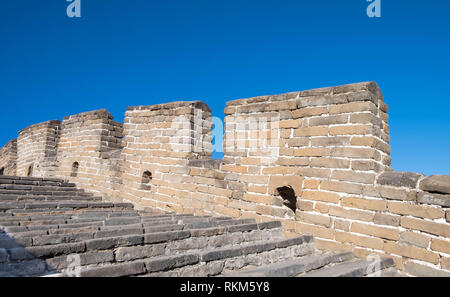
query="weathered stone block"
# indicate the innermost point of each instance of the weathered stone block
(115, 270)
(436, 184)
(436, 199)
(138, 252)
(422, 211)
(386, 219)
(399, 179)
(420, 270)
(170, 262)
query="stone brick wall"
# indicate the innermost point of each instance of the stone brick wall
(8, 158)
(89, 150)
(161, 140)
(36, 149)
(317, 160)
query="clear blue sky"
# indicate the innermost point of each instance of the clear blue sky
(139, 52)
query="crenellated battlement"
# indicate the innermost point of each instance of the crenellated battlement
(317, 160)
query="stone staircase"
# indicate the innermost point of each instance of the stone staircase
(48, 227)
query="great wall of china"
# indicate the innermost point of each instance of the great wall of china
(318, 161)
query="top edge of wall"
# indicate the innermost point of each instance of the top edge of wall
(171, 105)
(95, 114)
(370, 86)
(41, 125)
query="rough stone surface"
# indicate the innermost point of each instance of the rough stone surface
(317, 161)
(420, 270)
(435, 199)
(436, 184)
(399, 179)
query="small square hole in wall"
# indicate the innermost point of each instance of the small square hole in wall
(146, 179)
(75, 167)
(2, 171)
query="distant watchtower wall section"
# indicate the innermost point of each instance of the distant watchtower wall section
(317, 160)
(159, 141)
(8, 158)
(36, 149)
(89, 150)
(312, 140)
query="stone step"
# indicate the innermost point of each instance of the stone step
(355, 268)
(37, 237)
(24, 199)
(206, 263)
(6, 193)
(24, 223)
(10, 196)
(38, 188)
(34, 181)
(131, 247)
(5, 206)
(295, 267)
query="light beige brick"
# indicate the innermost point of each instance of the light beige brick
(364, 203)
(328, 120)
(305, 205)
(263, 209)
(353, 214)
(330, 141)
(421, 211)
(352, 176)
(416, 239)
(314, 219)
(342, 187)
(376, 231)
(235, 168)
(299, 141)
(320, 196)
(290, 123)
(445, 262)
(307, 112)
(311, 152)
(257, 198)
(356, 152)
(440, 245)
(351, 130)
(342, 225)
(426, 226)
(311, 131)
(410, 252)
(353, 107)
(314, 230)
(321, 207)
(278, 170)
(314, 172)
(330, 163)
(257, 189)
(386, 219)
(311, 184)
(329, 245)
(293, 161)
(359, 240)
